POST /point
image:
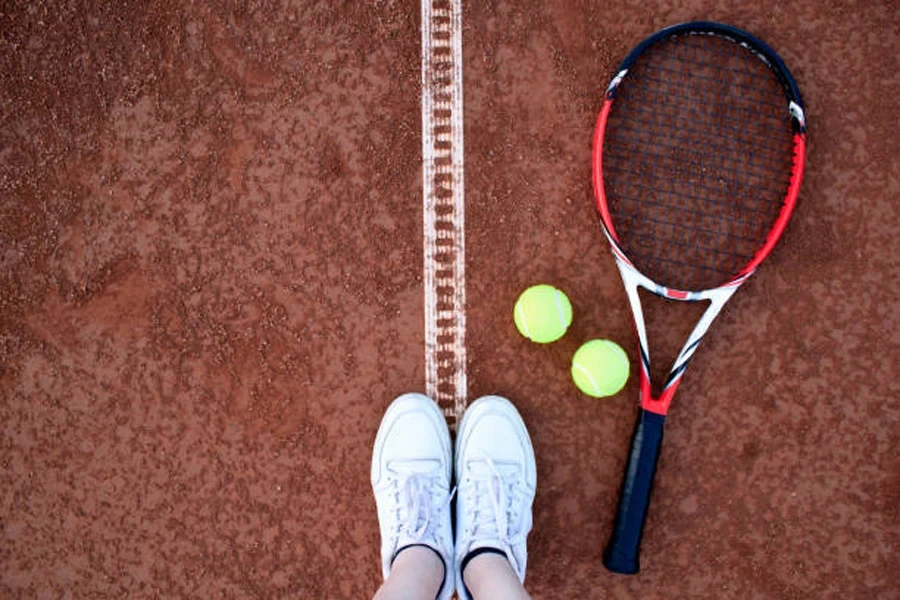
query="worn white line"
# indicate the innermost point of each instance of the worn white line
(444, 205)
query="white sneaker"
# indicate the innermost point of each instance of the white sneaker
(496, 478)
(411, 470)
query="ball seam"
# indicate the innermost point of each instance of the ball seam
(520, 308)
(559, 311)
(590, 377)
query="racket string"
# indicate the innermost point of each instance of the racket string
(762, 205)
(697, 159)
(671, 95)
(678, 236)
(699, 229)
(664, 215)
(751, 146)
(747, 87)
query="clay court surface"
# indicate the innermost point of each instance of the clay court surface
(211, 288)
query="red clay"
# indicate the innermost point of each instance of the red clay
(210, 289)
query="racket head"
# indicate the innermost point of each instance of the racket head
(698, 156)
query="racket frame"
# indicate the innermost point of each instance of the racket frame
(622, 552)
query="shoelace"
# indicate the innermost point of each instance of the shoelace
(503, 522)
(415, 512)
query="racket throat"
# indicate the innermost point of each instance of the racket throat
(668, 324)
(657, 404)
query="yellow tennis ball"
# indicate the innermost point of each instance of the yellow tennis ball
(600, 368)
(542, 314)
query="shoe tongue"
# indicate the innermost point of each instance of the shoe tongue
(505, 469)
(414, 465)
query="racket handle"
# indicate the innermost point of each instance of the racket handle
(621, 555)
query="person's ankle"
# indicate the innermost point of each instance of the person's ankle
(421, 554)
(474, 554)
(482, 565)
(425, 561)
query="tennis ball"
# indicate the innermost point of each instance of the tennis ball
(542, 314)
(600, 368)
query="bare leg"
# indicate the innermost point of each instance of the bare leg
(491, 577)
(417, 574)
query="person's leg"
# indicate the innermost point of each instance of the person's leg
(411, 470)
(416, 574)
(496, 479)
(490, 576)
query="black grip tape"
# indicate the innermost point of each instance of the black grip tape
(621, 555)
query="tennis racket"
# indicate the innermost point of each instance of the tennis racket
(698, 155)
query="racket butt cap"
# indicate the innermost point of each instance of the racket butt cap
(617, 563)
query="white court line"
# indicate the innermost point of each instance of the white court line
(444, 205)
